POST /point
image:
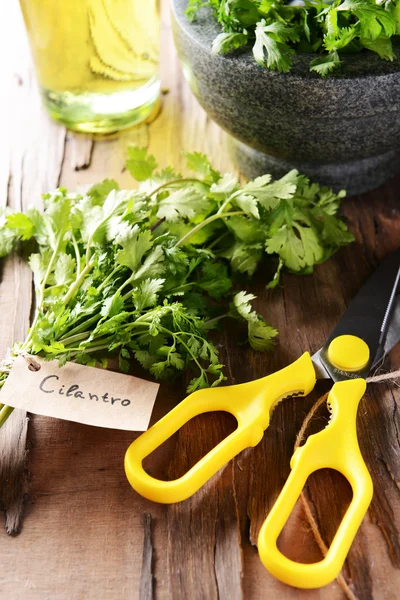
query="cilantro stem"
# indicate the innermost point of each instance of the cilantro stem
(77, 256)
(5, 412)
(78, 328)
(174, 335)
(174, 182)
(75, 338)
(142, 320)
(54, 287)
(74, 288)
(191, 334)
(124, 284)
(217, 240)
(228, 201)
(75, 351)
(98, 227)
(207, 222)
(41, 291)
(225, 204)
(86, 334)
(183, 287)
(215, 319)
(110, 276)
(157, 224)
(127, 295)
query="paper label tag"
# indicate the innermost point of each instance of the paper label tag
(78, 393)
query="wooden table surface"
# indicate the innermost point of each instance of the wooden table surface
(83, 533)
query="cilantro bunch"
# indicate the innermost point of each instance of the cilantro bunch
(147, 273)
(278, 29)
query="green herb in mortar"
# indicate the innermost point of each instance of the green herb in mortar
(277, 30)
(148, 272)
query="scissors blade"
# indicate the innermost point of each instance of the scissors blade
(319, 366)
(373, 315)
(393, 330)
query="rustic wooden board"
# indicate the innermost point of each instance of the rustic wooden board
(84, 533)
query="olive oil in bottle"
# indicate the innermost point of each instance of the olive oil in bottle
(96, 60)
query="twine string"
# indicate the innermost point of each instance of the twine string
(33, 364)
(391, 376)
(7, 364)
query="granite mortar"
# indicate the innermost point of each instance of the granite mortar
(342, 130)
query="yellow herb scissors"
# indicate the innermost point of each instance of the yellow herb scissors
(369, 328)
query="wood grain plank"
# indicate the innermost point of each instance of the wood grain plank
(81, 151)
(204, 544)
(83, 536)
(32, 155)
(146, 576)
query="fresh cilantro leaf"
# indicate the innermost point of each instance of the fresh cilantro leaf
(328, 201)
(195, 161)
(64, 271)
(196, 303)
(382, 45)
(324, 65)
(162, 177)
(147, 293)
(123, 363)
(335, 232)
(140, 164)
(160, 369)
(100, 191)
(242, 304)
(203, 380)
(135, 246)
(297, 246)
(374, 19)
(244, 257)
(261, 335)
(224, 187)
(21, 225)
(266, 6)
(197, 383)
(58, 215)
(246, 10)
(268, 193)
(185, 202)
(39, 263)
(181, 228)
(93, 220)
(341, 39)
(247, 230)
(215, 279)
(226, 42)
(112, 306)
(270, 49)
(8, 237)
(7, 241)
(153, 265)
(248, 204)
(175, 359)
(192, 8)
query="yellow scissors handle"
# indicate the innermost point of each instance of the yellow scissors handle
(251, 403)
(335, 447)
